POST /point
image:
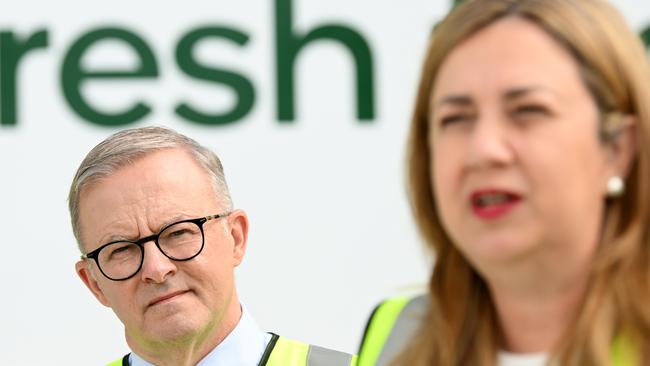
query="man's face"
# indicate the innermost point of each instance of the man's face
(166, 300)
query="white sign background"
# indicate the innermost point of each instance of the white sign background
(331, 232)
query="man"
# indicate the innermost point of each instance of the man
(153, 217)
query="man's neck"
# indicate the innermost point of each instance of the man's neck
(188, 351)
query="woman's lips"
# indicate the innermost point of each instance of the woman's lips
(493, 203)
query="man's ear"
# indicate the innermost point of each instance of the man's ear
(622, 146)
(85, 273)
(238, 224)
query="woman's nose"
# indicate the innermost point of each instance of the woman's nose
(489, 143)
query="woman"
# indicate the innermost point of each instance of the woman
(529, 175)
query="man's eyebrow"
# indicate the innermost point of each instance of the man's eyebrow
(173, 219)
(113, 238)
(458, 100)
(119, 237)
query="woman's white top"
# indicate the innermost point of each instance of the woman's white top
(521, 359)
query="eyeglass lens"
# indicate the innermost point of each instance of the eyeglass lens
(180, 241)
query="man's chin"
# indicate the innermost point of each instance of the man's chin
(172, 330)
(172, 322)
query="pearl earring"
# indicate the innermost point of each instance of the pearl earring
(615, 186)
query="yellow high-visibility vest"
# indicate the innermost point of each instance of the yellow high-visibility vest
(285, 352)
(395, 321)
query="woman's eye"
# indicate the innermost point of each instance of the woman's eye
(532, 110)
(451, 119)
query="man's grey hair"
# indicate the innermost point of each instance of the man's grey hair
(124, 148)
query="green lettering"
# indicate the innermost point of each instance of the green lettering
(289, 44)
(237, 82)
(11, 51)
(73, 75)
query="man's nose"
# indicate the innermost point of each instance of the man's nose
(490, 143)
(156, 266)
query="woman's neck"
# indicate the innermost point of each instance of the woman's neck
(534, 309)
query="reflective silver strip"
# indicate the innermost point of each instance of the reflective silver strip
(319, 356)
(407, 324)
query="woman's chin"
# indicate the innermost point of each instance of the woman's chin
(499, 252)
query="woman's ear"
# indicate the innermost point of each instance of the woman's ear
(621, 142)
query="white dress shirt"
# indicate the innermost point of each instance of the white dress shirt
(244, 346)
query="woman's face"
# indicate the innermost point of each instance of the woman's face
(518, 169)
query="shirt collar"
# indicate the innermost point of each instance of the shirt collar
(244, 346)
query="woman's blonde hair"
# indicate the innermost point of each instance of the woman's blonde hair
(461, 328)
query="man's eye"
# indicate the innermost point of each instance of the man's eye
(122, 252)
(180, 232)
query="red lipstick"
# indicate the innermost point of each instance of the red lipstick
(493, 203)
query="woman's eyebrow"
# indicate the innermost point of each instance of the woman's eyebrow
(456, 100)
(523, 91)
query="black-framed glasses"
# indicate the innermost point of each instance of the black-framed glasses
(180, 241)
